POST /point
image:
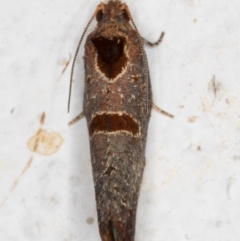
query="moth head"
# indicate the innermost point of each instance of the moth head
(113, 11)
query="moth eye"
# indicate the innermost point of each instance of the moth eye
(125, 15)
(99, 15)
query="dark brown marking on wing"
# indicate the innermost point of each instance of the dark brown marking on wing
(109, 235)
(89, 79)
(110, 170)
(111, 58)
(113, 122)
(135, 78)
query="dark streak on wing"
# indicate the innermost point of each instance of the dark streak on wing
(113, 122)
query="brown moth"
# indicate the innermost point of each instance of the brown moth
(117, 105)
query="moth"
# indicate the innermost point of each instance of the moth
(117, 106)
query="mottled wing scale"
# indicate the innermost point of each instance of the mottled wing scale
(117, 105)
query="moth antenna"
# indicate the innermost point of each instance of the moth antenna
(142, 54)
(75, 56)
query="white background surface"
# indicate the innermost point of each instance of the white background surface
(191, 187)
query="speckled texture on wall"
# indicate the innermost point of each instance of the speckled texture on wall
(191, 182)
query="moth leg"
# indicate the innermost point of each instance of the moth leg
(156, 43)
(160, 111)
(77, 118)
